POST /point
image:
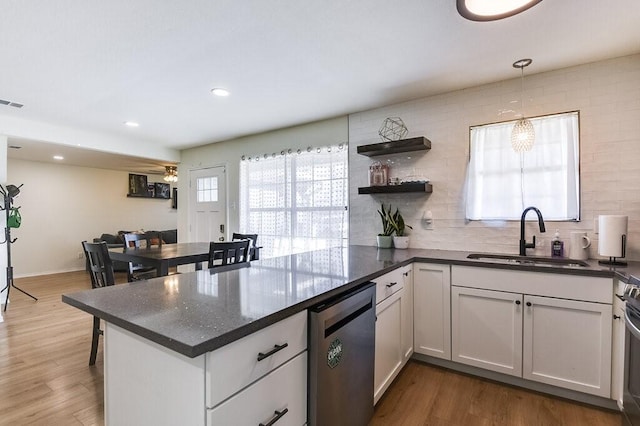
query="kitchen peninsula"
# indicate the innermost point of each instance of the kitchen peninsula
(175, 346)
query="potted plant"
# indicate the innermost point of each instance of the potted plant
(384, 239)
(400, 240)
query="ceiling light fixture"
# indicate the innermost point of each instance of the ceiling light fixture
(170, 174)
(491, 10)
(219, 91)
(131, 124)
(522, 135)
(58, 157)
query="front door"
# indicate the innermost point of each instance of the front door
(207, 205)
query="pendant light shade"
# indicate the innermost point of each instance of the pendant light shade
(522, 135)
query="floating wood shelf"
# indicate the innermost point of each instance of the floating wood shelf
(394, 147)
(147, 196)
(396, 189)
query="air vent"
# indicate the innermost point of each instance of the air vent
(10, 103)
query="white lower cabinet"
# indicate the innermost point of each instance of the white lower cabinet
(552, 340)
(432, 309)
(486, 329)
(567, 343)
(394, 327)
(389, 357)
(279, 397)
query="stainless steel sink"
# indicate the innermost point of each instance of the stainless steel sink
(529, 260)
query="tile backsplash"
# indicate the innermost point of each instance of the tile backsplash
(607, 94)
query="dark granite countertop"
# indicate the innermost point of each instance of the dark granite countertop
(197, 312)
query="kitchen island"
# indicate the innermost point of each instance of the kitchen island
(174, 345)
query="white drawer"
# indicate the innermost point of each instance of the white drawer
(388, 284)
(235, 366)
(283, 389)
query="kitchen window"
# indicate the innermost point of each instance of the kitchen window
(295, 202)
(501, 183)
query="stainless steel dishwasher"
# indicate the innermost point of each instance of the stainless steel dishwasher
(341, 359)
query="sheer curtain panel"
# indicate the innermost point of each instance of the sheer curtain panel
(502, 182)
(295, 202)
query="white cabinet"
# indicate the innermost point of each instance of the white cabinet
(432, 309)
(407, 313)
(617, 355)
(487, 329)
(567, 343)
(394, 327)
(530, 332)
(148, 384)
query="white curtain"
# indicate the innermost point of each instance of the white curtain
(295, 202)
(502, 183)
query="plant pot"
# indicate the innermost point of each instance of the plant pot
(384, 241)
(401, 242)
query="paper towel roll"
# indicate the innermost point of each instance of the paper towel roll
(611, 229)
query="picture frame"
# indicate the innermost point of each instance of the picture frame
(138, 185)
(162, 190)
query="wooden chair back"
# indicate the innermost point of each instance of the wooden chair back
(132, 240)
(229, 252)
(100, 265)
(253, 247)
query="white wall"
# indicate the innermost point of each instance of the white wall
(229, 153)
(63, 205)
(606, 93)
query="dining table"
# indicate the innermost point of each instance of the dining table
(164, 256)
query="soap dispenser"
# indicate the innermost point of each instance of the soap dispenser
(557, 245)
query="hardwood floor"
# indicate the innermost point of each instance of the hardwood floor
(45, 378)
(426, 395)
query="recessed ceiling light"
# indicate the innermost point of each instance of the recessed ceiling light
(219, 91)
(58, 157)
(131, 124)
(490, 10)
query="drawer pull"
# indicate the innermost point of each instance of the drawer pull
(275, 349)
(406, 274)
(391, 284)
(620, 297)
(277, 416)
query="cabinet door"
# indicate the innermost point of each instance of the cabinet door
(487, 329)
(407, 313)
(388, 343)
(432, 309)
(567, 343)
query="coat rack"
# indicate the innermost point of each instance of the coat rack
(9, 193)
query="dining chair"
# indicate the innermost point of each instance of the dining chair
(254, 250)
(101, 271)
(228, 252)
(132, 240)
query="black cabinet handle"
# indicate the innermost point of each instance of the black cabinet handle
(616, 317)
(406, 274)
(619, 297)
(517, 302)
(277, 415)
(276, 348)
(528, 303)
(391, 284)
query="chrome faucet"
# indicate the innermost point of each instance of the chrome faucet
(524, 245)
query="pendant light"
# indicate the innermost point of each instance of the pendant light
(522, 135)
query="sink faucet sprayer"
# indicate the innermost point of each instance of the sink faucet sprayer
(524, 245)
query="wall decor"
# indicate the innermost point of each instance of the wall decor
(162, 190)
(140, 188)
(138, 185)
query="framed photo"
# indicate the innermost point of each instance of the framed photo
(138, 185)
(162, 190)
(151, 190)
(174, 199)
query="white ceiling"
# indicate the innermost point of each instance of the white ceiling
(94, 64)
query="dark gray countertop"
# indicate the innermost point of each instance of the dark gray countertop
(197, 312)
